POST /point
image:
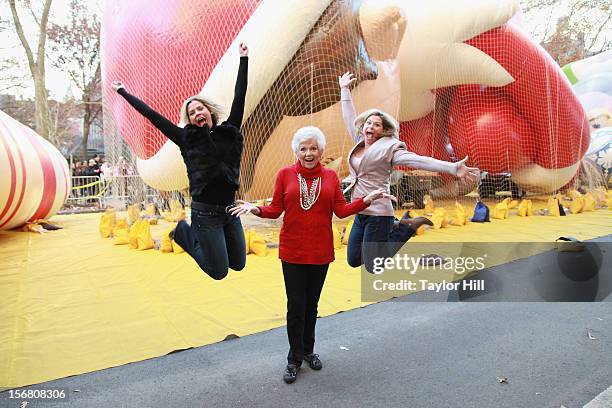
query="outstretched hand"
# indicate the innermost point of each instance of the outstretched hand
(243, 208)
(378, 194)
(116, 85)
(243, 50)
(346, 80)
(467, 173)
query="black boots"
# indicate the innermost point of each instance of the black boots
(290, 373)
(313, 361)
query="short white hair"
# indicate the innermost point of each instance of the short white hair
(308, 133)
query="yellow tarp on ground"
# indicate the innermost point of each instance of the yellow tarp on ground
(71, 302)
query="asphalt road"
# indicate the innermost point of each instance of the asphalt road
(391, 354)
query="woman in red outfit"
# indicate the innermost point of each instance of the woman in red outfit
(309, 194)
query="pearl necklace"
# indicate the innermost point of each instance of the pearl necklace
(308, 198)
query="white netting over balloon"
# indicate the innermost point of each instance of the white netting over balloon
(461, 77)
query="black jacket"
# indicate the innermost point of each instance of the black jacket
(212, 156)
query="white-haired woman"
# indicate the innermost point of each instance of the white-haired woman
(371, 161)
(212, 152)
(309, 195)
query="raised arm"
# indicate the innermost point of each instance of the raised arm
(237, 111)
(348, 109)
(169, 129)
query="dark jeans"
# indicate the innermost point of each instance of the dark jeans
(214, 240)
(379, 237)
(303, 285)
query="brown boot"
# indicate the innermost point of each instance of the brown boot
(416, 222)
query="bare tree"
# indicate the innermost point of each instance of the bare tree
(572, 29)
(76, 49)
(36, 62)
(21, 110)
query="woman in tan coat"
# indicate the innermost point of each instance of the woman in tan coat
(371, 160)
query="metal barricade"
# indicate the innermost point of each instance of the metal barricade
(86, 191)
(93, 192)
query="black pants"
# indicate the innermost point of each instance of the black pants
(303, 285)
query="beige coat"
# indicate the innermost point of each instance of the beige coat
(377, 162)
(375, 168)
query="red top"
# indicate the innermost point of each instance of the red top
(306, 236)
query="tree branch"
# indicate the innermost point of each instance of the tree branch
(601, 27)
(42, 35)
(22, 38)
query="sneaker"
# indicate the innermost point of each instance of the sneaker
(313, 361)
(290, 373)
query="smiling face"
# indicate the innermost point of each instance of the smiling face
(199, 114)
(372, 129)
(308, 153)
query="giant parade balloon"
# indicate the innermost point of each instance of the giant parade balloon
(35, 176)
(460, 76)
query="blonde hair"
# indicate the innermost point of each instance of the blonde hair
(390, 125)
(216, 111)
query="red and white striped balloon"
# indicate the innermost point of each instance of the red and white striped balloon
(35, 178)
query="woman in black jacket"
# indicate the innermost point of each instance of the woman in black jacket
(212, 152)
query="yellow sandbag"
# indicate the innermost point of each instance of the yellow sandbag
(337, 237)
(513, 204)
(151, 210)
(439, 218)
(576, 205)
(177, 212)
(589, 203)
(133, 235)
(145, 240)
(121, 236)
(414, 213)
(500, 211)
(257, 244)
(33, 227)
(525, 208)
(553, 207)
(166, 243)
(573, 194)
(107, 223)
(247, 240)
(461, 217)
(133, 213)
(599, 194)
(429, 205)
(347, 232)
(176, 248)
(105, 226)
(121, 223)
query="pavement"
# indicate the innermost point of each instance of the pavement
(457, 352)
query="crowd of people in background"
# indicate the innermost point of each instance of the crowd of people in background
(98, 167)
